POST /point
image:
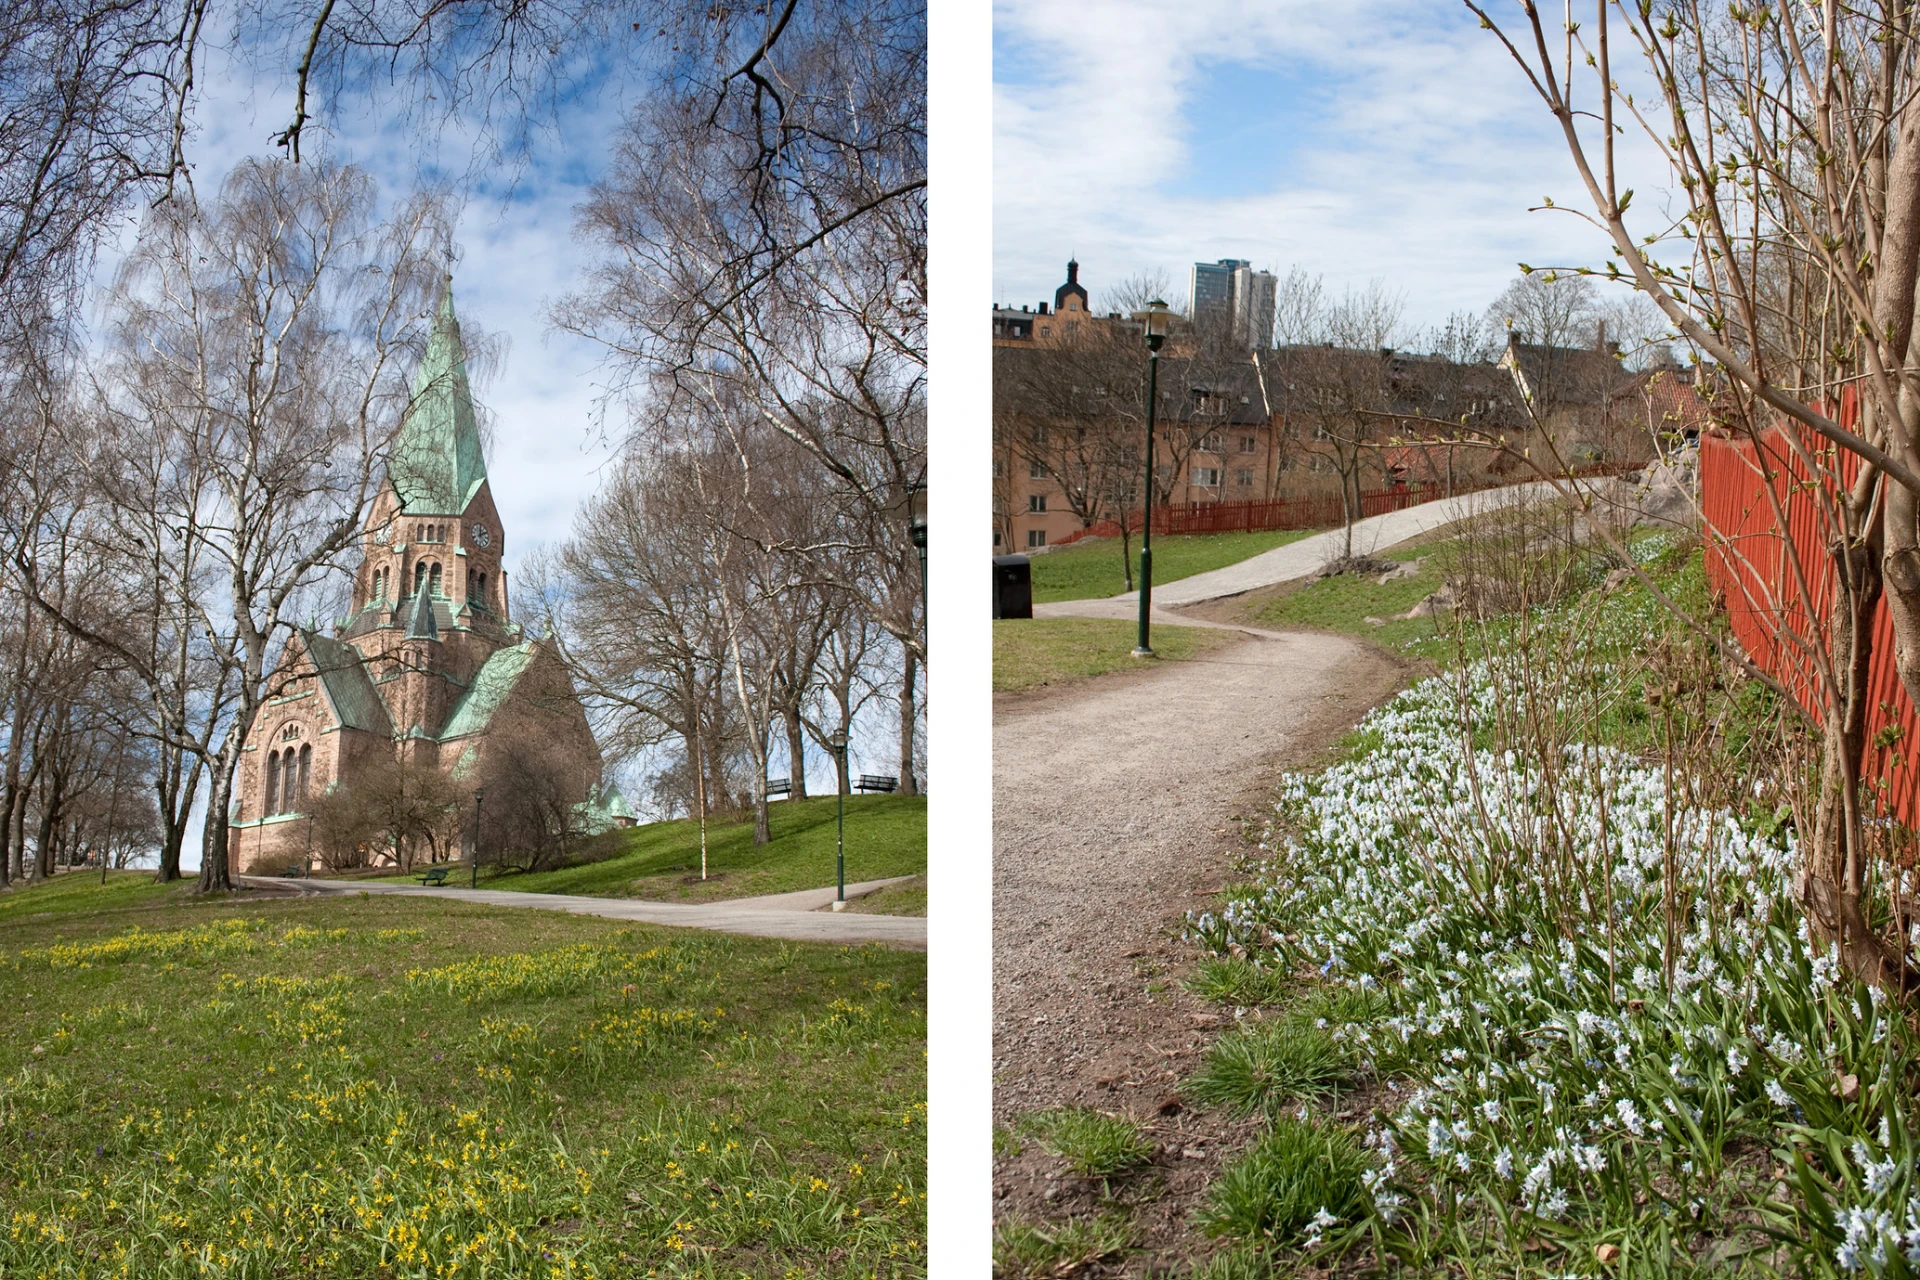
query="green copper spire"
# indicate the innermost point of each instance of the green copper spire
(436, 464)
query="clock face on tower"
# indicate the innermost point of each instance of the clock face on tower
(481, 538)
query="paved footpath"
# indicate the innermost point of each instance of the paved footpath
(795, 916)
(1299, 559)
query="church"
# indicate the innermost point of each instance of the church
(428, 662)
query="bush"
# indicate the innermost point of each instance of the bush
(1092, 1143)
(1297, 1172)
(1260, 1067)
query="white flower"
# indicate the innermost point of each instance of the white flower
(1736, 1060)
(1630, 1117)
(1778, 1096)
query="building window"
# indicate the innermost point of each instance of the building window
(1204, 477)
(1243, 478)
(1036, 538)
(1038, 435)
(419, 575)
(1210, 442)
(306, 772)
(1249, 444)
(1036, 470)
(999, 468)
(996, 537)
(1037, 503)
(433, 579)
(273, 784)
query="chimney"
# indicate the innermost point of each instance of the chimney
(1043, 308)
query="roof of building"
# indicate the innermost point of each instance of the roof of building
(602, 809)
(490, 688)
(421, 623)
(343, 677)
(437, 464)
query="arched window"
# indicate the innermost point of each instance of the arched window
(273, 784)
(419, 575)
(434, 580)
(483, 590)
(306, 772)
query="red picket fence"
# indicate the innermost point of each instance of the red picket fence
(1780, 616)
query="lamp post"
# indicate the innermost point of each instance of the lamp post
(917, 525)
(839, 744)
(1155, 321)
(479, 793)
(306, 868)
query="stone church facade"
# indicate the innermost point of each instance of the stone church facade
(429, 661)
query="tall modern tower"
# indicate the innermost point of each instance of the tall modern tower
(1230, 291)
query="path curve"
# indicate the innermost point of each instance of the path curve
(790, 916)
(1299, 559)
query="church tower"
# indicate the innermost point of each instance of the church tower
(428, 662)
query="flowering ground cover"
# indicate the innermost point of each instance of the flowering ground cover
(1552, 974)
(366, 1087)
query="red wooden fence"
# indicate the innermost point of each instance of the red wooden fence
(1780, 616)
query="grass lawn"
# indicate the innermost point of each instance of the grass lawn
(1090, 570)
(1030, 652)
(383, 1087)
(1344, 603)
(80, 892)
(886, 836)
(908, 898)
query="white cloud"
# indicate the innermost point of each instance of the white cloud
(1422, 150)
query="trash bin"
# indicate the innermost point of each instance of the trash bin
(1012, 587)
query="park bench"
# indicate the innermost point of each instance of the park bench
(435, 875)
(877, 782)
(293, 872)
(779, 786)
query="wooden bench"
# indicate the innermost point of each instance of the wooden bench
(435, 875)
(779, 786)
(294, 871)
(877, 782)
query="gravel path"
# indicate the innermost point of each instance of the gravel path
(1298, 559)
(1114, 803)
(791, 916)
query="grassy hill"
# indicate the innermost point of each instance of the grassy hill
(886, 836)
(411, 1087)
(1090, 570)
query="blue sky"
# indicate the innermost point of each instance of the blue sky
(1378, 138)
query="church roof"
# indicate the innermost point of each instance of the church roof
(356, 703)
(437, 465)
(421, 623)
(490, 688)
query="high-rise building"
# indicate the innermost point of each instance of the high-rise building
(1230, 291)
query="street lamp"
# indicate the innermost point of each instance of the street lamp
(917, 526)
(479, 793)
(838, 741)
(306, 869)
(1155, 321)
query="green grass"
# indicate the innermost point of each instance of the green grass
(1344, 603)
(1233, 981)
(408, 1087)
(1031, 652)
(1093, 1143)
(908, 898)
(886, 836)
(1293, 1172)
(1091, 570)
(1267, 1065)
(80, 892)
(1024, 1250)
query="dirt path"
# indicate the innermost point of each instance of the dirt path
(1114, 808)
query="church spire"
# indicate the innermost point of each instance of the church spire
(436, 464)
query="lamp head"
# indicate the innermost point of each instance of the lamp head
(837, 740)
(917, 513)
(1155, 321)
(479, 794)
